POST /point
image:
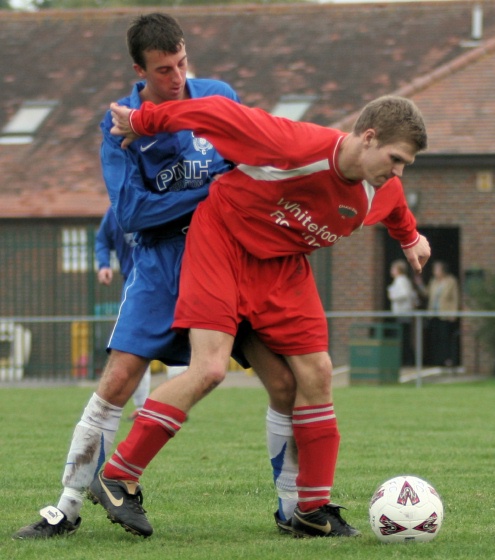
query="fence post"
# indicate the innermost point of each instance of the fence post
(419, 348)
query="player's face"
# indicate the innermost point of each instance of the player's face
(165, 75)
(381, 163)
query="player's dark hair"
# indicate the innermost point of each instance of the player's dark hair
(394, 119)
(153, 32)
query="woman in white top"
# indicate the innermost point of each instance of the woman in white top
(403, 300)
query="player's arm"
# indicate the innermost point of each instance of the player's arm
(241, 134)
(103, 243)
(136, 207)
(390, 208)
(418, 254)
(103, 246)
(121, 124)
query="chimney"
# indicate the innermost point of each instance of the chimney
(476, 27)
(477, 23)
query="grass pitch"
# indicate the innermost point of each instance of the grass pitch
(209, 494)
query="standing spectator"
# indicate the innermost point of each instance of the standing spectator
(442, 332)
(110, 237)
(403, 299)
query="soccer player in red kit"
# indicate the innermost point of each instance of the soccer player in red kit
(297, 187)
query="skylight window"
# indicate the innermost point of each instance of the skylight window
(25, 123)
(293, 106)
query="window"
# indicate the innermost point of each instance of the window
(75, 252)
(293, 106)
(24, 124)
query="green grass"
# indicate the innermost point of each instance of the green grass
(209, 493)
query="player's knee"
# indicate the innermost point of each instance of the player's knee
(207, 380)
(282, 392)
(323, 364)
(117, 385)
(323, 373)
(315, 377)
(214, 375)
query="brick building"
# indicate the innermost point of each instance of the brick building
(329, 59)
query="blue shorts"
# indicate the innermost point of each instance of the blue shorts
(144, 322)
(146, 314)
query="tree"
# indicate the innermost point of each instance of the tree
(71, 4)
(482, 298)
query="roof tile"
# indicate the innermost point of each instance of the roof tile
(346, 54)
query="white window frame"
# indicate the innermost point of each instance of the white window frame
(75, 250)
(293, 107)
(26, 122)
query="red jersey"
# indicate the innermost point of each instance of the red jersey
(287, 194)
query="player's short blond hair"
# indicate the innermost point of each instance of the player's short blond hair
(394, 119)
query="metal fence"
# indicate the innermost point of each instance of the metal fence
(73, 347)
(475, 359)
(55, 317)
(53, 348)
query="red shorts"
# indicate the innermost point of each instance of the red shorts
(221, 284)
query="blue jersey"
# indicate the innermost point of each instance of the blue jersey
(154, 187)
(156, 184)
(110, 237)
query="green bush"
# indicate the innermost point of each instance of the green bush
(482, 298)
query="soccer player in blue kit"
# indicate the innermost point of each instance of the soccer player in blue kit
(154, 188)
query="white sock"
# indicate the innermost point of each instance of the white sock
(283, 456)
(70, 503)
(174, 371)
(143, 390)
(91, 442)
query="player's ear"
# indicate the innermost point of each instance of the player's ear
(369, 136)
(140, 71)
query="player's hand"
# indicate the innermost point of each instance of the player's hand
(121, 124)
(105, 276)
(418, 255)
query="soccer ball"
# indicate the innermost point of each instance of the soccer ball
(406, 508)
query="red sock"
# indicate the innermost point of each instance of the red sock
(155, 425)
(317, 439)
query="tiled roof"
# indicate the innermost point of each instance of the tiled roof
(343, 54)
(459, 104)
(457, 101)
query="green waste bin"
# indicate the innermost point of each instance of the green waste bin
(375, 353)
